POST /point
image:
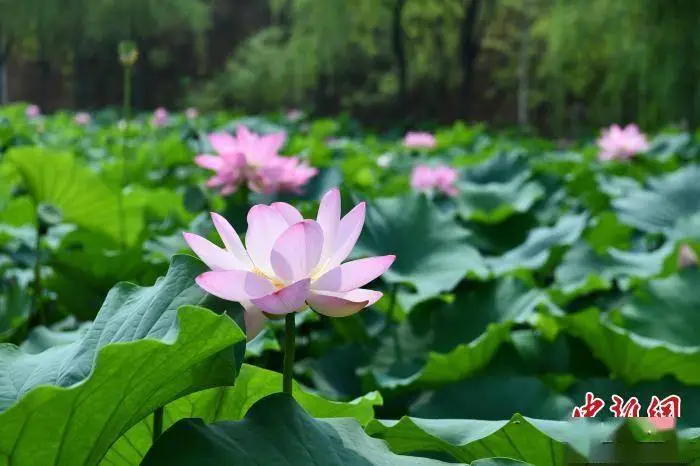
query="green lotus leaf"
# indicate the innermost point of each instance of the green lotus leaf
(536, 250)
(664, 201)
(276, 430)
(432, 251)
(232, 404)
(445, 342)
(80, 195)
(144, 350)
(632, 357)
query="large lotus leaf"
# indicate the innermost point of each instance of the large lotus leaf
(79, 194)
(86, 270)
(494, 202)
(65, 332)
(535, 251)
(334, 374)
(499, 462)
(631, 357)
(276, 430)
(559, 164)
(494, 398)
(144, 350)
(667, 310)
(665, 146)
(583, 270)
(583, 189)
(666, 200)
(540, 442)
(444, 342)
(616, 186)
(606, 231)
(231, 404)
(687, 228)
(498, 238)
(160, 203)
(18, 211)
(533, 352)
(501, 168)
(432, 251)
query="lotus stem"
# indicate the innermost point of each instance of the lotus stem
(289, 344)
(38, 307)
(126, 115)
(157, 423)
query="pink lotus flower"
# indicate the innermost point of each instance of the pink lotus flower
(160, 117)
(82, 118)
(282, 174)
(686, 257)
(442, 178)
(419, 140)
(618, 143)
(32, 111)
(255, 159)
(289, 263)
(191, 113)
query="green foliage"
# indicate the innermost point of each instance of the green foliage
(549, 276)
(232, 404)
(76, 399)
(262, 438)
(79, 196)
(586, 37)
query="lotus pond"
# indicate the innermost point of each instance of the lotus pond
(526, 300)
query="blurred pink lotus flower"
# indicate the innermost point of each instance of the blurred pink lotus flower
(82, 118)
(289, 263)
(686, 257)
(282, 174)
(32, 111)
(442, 178)
(191, 113)
(622, 143)
(419, 140)
(160, 117)
(255, 159)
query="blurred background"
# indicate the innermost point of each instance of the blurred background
(559, 67)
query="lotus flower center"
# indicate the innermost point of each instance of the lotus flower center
(275, 282)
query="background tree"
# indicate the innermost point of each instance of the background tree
(565, 66)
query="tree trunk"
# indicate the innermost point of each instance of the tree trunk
(81, 68)
(321, 94)
(400, 53)
(81, 80)
(44, 66)
(44, 81)
(470, 43)
(3, 76)
(523, 76)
